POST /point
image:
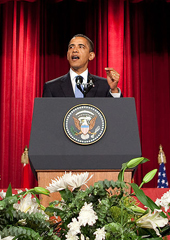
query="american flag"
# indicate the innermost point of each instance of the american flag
(162, 177)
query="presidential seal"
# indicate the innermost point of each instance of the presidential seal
(84, 124)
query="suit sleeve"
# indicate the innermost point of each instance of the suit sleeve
(46, 91)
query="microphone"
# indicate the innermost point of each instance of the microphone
(89, 85)
(79, 81)
(90, 82)
(84, 88)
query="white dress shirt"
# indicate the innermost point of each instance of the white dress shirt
(73, 76)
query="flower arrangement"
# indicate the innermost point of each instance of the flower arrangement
(103, 211)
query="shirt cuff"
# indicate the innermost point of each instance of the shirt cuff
(116, 95)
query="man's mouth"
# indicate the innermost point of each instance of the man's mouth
(75, 57)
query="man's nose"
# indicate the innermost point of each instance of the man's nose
(75, 49)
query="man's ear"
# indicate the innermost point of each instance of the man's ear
(92, 56)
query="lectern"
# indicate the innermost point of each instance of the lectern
(52, 151)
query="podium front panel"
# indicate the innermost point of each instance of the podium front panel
(51, 149)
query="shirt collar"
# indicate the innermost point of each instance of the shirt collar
(83, 74)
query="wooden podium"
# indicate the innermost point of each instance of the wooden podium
(52, 153)
(44, 178)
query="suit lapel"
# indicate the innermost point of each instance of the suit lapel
(68, 90)
(93, 91)
(67, 86)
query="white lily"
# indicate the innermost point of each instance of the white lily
(152, 221)
(28, 204)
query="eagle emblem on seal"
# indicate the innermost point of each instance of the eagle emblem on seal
(85, 124)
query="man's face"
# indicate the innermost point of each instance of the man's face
(79, 54)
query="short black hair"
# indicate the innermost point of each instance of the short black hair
(90, 43)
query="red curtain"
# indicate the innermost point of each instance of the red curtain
(133, 37)
(150, 78)
(20, 84)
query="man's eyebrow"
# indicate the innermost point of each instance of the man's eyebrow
(71, 45)
(80, 44)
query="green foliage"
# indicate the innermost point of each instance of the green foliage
(110, 202)
(20, 224)
(115, 208)
(117, 231)
(20, 232)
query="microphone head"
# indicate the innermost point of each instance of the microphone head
(90, 81)
(79, 80)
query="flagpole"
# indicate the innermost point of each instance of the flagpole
(25, 162)
(162, 177)
(161, 155)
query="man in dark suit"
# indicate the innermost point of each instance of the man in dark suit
(80, 52)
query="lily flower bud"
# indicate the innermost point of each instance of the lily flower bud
(41, 190)
(137, 209)
(148, 177)
(134, 162)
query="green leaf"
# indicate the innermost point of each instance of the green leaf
(2, 205)
(11, 200)
(9, 191)
(145, 200)
(20, 232)
(107, 183)
(66, 194)
(165, 231)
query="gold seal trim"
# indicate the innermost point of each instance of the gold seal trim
(99, 114)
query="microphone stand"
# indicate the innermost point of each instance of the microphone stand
(86, 87)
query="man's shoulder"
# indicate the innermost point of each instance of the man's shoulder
(57, 80)
(95, 77)
(101, 81)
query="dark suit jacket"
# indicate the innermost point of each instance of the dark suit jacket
(62, 87)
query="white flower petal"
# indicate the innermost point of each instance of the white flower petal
(69, 179)
(77, 180)
(57, 185)
(2, 194)
(74, 226)
(29, 204)
(100, 234)
(71, 236)
(164, 201)
(7, 238)
(87, 215)
(152, 221)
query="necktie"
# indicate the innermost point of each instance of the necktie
(78, 93)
